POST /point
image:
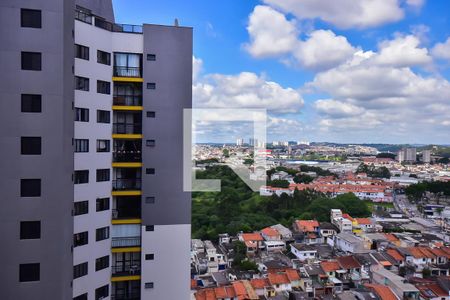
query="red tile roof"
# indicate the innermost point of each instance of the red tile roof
(252, 237)
(363, 221)
(395, 254)
(259, 283)
(270, 231)
(329, 266)
(347, 216)
(384, 292)
(390, 237)
(278, 278)
(434, 288)
(307, 225)
(292, 274)
(348, 262)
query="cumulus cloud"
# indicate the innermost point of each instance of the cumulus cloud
(197, 66)
(245, 90)
(345, 13)
(442, 50)
(337, 109)
(270, 33)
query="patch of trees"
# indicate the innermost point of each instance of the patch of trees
(303, 178)
(386, 155)
(280, 183)
(415, 192)
(374, 172)
(207, 161)
(237, 208)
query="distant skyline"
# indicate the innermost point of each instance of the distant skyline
(338, 71)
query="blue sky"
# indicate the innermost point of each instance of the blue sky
(325, 70)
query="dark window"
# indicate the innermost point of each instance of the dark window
(150, 171)
(127, 64)
(81, 176)
(102, 292)
(150, 200)
(103, 87)
(103, 175)
(30, 145)
(103, 145)
(102, 204)
(80, 270)
(149, 256)
(150, 228)
(31, 61)
(81, 83)
(151, 57)
(81, 114)
(149, 285)
(80, 239)
(101, 234)
(81, 297)
(151, 85)
(30, 188)
(151, 114)
(31, 103)
(102, 263)
(80, 208)
(29, 272)
(150, 143)
(103, 57)
(81, 52)
(81, 145)
(30, 18)
(30, 230)
(103, 116)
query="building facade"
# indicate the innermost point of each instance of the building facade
(92, 136)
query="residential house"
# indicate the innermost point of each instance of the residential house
(285, 233)
(253, 242)
(348, 242)
(327, 230)
(304, 252)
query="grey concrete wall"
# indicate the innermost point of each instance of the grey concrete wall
(172, 73)
(54, 166)
(102, 8)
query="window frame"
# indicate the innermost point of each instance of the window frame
(30, 103)
(102, 204)
(103, 175)
(101, 116)
(30, 145)
(103, 87)
(100, 58)
(31, 61)
(80, 239)
(81, 145)
(36, 193)
(30, 277)
(82, 83)
(84, 173)
(102, 233)
(30, 233)
(81, 208)
(80, 270)
(101, 263)
(81, 52)
(30, 23)
(105, 149)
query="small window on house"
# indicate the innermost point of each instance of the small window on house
(30, 188)
(30, 230)
(102, 234)
(150, 228)
(103, 116)
(102, 204)
(151, 85)
(80, 208)
(151, 57)
(102, 292)
(150, 200)
(29, 272)
(149, 256)
(102, 263)
(80, 239)
(150, 143)
(81, 145)
(32, 61)
(31, 103)
(103, 175)
(103, 57)
(30, 145)
(31, 18)
(103, 145)
(149, 285)
(151, 114)
(81, 114)
(80, 270)
(81, 83)
(81, 52)
(103, 87)
(81, 176)
(150, 171)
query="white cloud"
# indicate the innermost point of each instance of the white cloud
(402, 51)
(197, 66)
(442, 50)
(337, 109)
(322, 50)
(245, 90)
(345, 13)
(415, 3)
(271, 34)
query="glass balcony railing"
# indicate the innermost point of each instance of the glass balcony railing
(126, 184)
(130, 241)
(127, 156)
(127, 100)
(125, 71)
(127, 128)
(129, 296)
(121, 214)
(126, 269)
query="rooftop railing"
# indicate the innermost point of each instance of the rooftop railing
(86, 17)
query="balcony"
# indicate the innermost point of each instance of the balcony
(127, 269)
(126, 184)
(129, 296)
(130, 241)
(127, 151)
(120, 71)
(127, 100)
(126, 208)
(127, 128)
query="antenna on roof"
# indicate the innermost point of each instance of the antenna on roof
(176, 22)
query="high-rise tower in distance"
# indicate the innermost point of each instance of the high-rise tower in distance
(93, 205)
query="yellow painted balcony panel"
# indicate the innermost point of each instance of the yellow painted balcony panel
(127, 136)
(125, 278)
(126, 193)
(127, 164)
(128, 79)
(126, 107)
(126, 221)
(126, 249)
